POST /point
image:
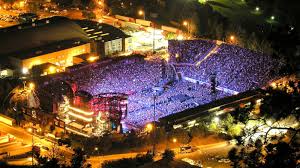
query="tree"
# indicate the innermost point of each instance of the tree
(199, 131)
(63, 3)
(142, 159)
(122, 163)
(88, 14)
(105, 143)
(168, 155)
(219, 31)
(233, 156)
(270, 136)
(54, 152)
(232, 129)
(282, 154)
(170, 36)
(76, 3)
(181, 135)
(45, 162)
(139, 160)
(9, 1)
(78, 159)
(285, 41)
(34, 6)
(132, 139)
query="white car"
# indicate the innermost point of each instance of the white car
(233, 142)
(193, 162)
(224, 161)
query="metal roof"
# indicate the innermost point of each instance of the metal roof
(100, 31)
(42, 36)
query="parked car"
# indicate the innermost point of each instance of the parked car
(193, 162)
(187, 149)
(27, 17)
(224, 160)
(233, 142)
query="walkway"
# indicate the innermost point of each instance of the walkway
(212, 51)
(208, 84)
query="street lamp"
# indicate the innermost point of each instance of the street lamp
(153, 42)
(154, 133)
(216, 120)
(32, 144)
(232, 37)
(257, 9)
(149, 127)
(29, 130)
(142, 13)
(22, 4)
(31, 86)
(52, 69)
(273, 84)
(180, 37)
(92, 59)
(24, 71)
(272, 17)
(187, 24)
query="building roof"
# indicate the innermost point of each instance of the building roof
(52, 34)
(24, 40)
(203, 109)
(100, 31)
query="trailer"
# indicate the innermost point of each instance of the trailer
(110, 18)
(170, 29)
(143, 22)
(125, 18)
(7, 120)
(132, 25)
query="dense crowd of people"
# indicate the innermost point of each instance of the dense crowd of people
(189, 51)
(121, 76)
(235, 68)
(137, 78)
(179, 96)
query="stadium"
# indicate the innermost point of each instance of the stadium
(197, 72)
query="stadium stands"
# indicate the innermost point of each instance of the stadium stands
(236, 70)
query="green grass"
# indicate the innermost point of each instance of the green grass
(237, 11)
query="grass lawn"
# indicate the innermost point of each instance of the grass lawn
(239, 12)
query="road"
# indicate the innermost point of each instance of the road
(23, 135)
(27, 138)
(22, 162)
(208, 153)
(96, 161)
(205, 155)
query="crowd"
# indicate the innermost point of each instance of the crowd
(121, 76)
(137, 78)
(189, 51)
(181, 95)
(235, 68)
